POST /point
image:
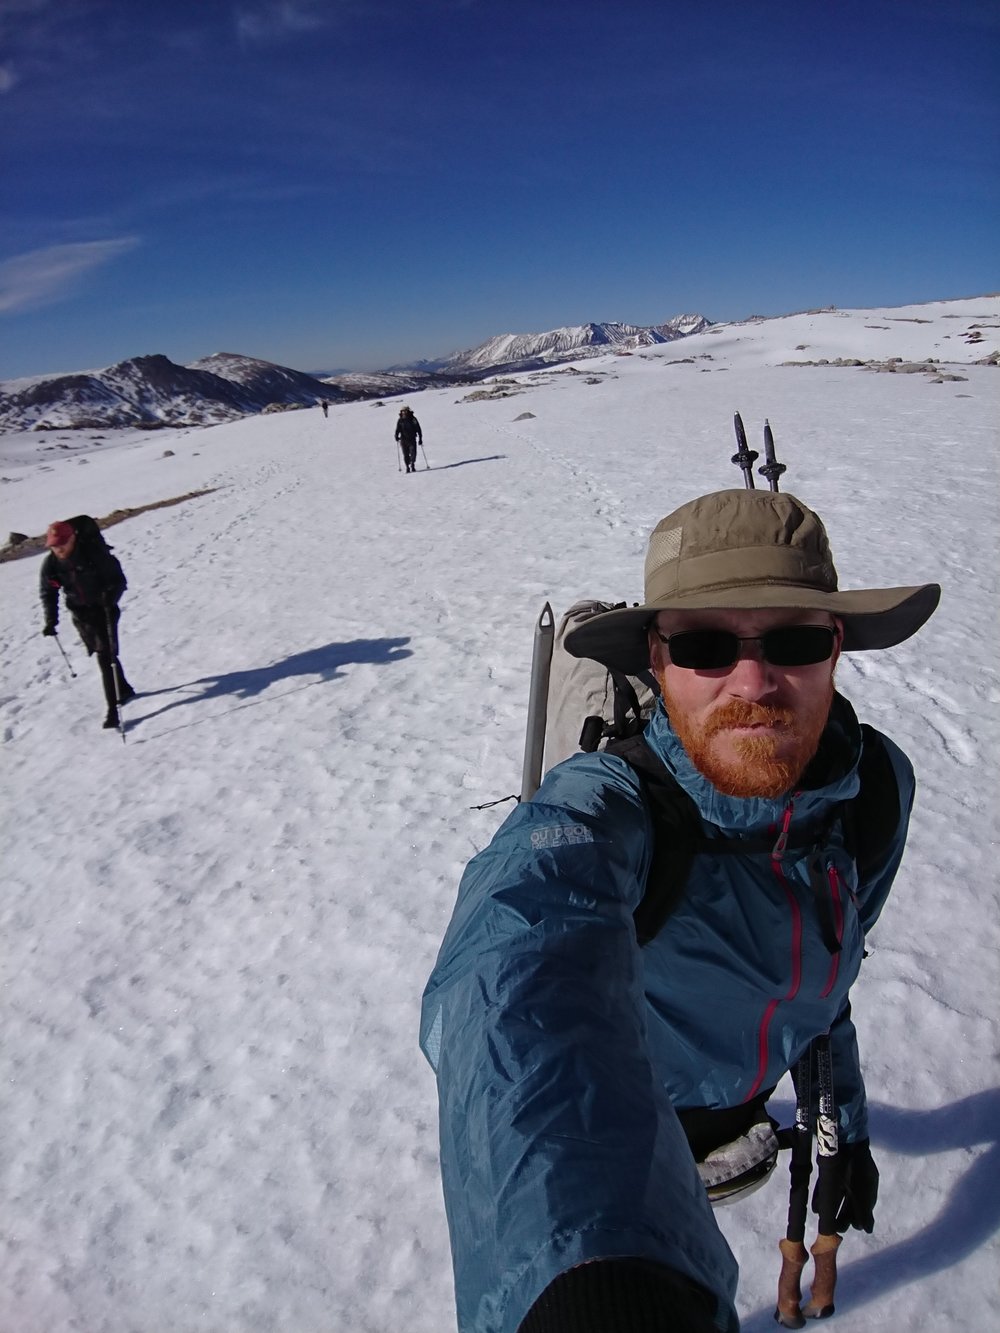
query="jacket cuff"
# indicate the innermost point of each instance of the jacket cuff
(621, 1296)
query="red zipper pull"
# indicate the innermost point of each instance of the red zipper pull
(778, 850)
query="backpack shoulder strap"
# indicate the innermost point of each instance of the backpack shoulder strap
(677, 833)
(872, 817)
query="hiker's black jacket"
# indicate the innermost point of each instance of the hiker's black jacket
(90, 577)
(408, 429)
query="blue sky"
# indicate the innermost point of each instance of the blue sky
(363, 182)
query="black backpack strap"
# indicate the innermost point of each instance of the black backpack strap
(872, 817)
(677, 834)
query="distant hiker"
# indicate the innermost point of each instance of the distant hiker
(324, 405)
(82, 564)
(580, 1075)
(408, 436)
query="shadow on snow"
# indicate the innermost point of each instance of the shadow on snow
(323, 663)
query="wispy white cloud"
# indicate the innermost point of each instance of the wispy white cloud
(43, 277)
(270, 19)
(8, 77)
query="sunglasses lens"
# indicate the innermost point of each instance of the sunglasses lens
(715, 649)
(704, 649)
(798, 645)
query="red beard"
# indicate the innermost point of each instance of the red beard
(766, 765)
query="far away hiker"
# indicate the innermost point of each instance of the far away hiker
(408, 436)
(92, 582)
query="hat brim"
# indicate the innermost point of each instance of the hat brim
(872, 618)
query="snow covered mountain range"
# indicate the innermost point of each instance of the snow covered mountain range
(526, 351)
(152, 391)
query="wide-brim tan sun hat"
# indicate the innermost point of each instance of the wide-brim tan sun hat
(747, 551)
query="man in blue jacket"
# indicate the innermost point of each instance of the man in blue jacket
(569, 1061)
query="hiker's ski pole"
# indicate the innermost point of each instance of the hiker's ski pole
(65, 658)
(427, 465)
(745, 457)
(792, 1247)
(538, 695)
(399, 451)
(116, 670)
(824, 1251)
(770, 469)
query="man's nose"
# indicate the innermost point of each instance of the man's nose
(751, 675)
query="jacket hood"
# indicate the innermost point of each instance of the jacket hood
(832, 775)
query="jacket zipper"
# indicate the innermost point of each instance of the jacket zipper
(777, 854)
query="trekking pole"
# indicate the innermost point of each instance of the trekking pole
(770, 469)
(399, 450)
(116, 669)
(793, 1251)
(745, 457)
(824, 1251)
(427, 466)
(65, 658)
(538, 695)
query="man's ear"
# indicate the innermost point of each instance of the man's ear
(839, 626)
(657, 650)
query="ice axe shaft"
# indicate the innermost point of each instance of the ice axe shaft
(538, 699)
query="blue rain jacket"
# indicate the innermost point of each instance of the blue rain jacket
(561, 1048)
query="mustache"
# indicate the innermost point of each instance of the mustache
(740, 713)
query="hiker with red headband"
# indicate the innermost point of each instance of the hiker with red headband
(598, 1080)
(83, 567)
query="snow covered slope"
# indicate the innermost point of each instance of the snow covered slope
(215, 1118)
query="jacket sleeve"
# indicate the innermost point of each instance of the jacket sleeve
(871, 896)
(48, 589)
(558, 1146)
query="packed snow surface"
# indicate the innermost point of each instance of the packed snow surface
(215, 1118)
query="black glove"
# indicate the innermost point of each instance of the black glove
(48, 629)
(858, 1184)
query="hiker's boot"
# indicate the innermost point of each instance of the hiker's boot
(111, 720)
(127, 693)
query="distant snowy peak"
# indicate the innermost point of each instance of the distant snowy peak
(565, 344)
(682, 326)
(151, 391)
(265, 381)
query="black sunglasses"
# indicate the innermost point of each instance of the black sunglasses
(713, 649)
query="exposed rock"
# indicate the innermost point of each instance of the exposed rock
(35, 545)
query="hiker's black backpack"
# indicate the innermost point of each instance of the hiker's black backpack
(91, 545)
(89, 534)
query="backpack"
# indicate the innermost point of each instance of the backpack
(89, 535)
(93, 547)
(606, 709)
